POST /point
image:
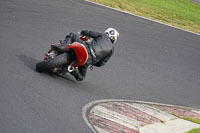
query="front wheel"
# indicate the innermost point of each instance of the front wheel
(52, 63)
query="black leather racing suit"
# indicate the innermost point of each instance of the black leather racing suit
(101, 45)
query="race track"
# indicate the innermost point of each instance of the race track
(152, 62)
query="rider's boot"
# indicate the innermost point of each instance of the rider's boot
(77, 75)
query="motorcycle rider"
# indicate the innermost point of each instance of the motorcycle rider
(100, 49)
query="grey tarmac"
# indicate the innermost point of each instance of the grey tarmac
(153, 62)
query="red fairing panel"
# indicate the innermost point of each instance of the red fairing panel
(81, 53)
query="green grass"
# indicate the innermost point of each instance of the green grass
(197, 130)
(194, 131)
(191, 119)
(180, 13)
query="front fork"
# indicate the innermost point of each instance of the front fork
(50, 54)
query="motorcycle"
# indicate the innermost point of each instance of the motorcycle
(61, 63)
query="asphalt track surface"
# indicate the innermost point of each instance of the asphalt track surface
(152, 62)
(198, 1)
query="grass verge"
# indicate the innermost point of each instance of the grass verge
(191, 119)
(180, 13)
(197, 130)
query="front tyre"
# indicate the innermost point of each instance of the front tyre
(52, 63)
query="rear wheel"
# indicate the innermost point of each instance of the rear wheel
(52, 63)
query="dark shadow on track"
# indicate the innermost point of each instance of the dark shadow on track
(67, 77)
(30, 62)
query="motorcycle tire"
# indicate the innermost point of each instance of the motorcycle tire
(52, 63)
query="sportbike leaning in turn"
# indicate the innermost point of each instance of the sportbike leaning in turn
(77, 52)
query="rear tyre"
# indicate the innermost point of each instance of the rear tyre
(52, 63)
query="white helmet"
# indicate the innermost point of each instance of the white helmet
(112, 34)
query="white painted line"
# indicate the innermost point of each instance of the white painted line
(172, 126)
(134, 101)
(142, 17)
(115, 117)
(196, 111)
(100, 130)
(84, 114)
(152, 111)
